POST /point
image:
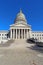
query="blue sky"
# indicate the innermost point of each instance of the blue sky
(33, 10)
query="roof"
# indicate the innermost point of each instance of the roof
(4, 31)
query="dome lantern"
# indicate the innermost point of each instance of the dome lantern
(20, 10)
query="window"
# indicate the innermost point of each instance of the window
(33, 35)
(5, 38)
(40, 37)
(2, 34)
(42, 34)
(5, 34)
(2, 37)
(37, 34)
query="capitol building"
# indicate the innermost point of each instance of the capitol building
(20, 30)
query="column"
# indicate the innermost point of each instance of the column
(27, 33)
(11, 33)
(30, 33)
(16, 33)
(19, 33)
(24, 33)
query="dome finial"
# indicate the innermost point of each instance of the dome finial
(20, 10)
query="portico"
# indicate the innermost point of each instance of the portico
(19, 33)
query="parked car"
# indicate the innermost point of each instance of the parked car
(40, 44)
(31, 40)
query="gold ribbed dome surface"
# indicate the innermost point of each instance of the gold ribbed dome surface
(20, 17)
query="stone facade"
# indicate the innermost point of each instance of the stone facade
(37, 35)
(3, 36)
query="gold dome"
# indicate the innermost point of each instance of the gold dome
(20, 17)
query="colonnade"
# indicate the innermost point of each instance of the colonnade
(19, 33)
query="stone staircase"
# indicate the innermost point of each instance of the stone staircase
(21, 43)
(18, 43)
